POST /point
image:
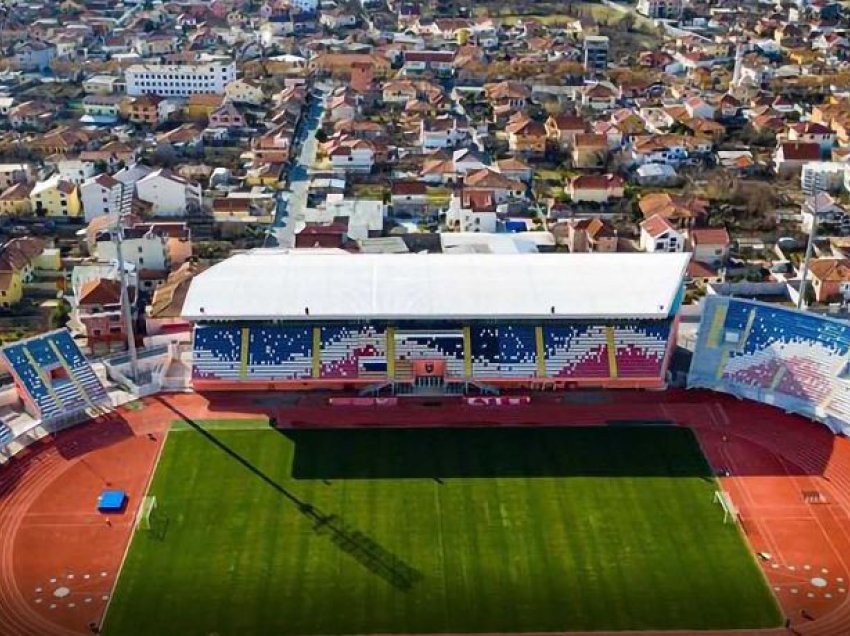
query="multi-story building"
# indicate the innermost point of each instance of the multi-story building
(595, 54)
(12, 173)
(826, 176)
(102, 195)
(155, 247)
(55, 197)
(169, 194)
(34, 55)
(179, 80)
(306, 6)
(660, 9)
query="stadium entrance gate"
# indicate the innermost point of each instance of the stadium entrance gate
(429, 377)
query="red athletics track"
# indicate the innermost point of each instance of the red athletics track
(51, 537)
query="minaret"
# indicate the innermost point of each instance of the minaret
(739, 61)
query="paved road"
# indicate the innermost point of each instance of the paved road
(289, 210)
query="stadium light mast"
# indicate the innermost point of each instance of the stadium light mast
(126, 313)
(804, 275)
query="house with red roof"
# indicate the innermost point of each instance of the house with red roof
(813, 132)
(596, 188)
(657, 235)
(562, 129)
(710, 245)
(791, 155)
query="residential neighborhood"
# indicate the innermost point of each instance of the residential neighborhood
(699, 127)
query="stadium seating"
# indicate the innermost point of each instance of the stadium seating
(343, 347)
(6, 435)
(793, 359)
(217, 352)
(503, 351)
(280, 353)
(576, 350)
(443, 345)
(55, 374)
(572, 350)
(640, 347)
(582, 350)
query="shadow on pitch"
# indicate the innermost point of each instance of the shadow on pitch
(616, 450)
(365, 550)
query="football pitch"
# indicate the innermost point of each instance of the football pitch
(415, 531)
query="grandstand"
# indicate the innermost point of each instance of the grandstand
(795, 360)
(274, 319)
(52, 376)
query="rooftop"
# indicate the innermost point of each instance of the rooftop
(333, 284)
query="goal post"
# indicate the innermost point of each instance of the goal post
(146, 511)
(730, 511)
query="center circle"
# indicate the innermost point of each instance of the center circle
(61, 592)
(818, 582)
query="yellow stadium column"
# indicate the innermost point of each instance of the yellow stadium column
(243, 353)
(467, 351)
(317, 352)
(541, 351)
(390, 335)
(612, 352)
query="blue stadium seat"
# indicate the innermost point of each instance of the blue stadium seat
(6, 435)
(506, 351)
(343, 347)
(280, 353)
(576, 350)
(783, 356)
(217, 352)
(55, 374)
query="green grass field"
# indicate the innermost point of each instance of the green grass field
(426, 531)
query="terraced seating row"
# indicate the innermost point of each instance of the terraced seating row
(55, 375)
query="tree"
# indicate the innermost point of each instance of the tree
(59, 315)
(627, 22)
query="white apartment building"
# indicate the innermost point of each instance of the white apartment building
(179, 80)
(657, 235)
(143, 247)
(824, 176)
(12, 173)
(460, 219)
(102, 195)
(168, 194)
(660, 9)
(306, 6)
(73, 169)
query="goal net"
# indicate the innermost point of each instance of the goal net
(146, 513)
(730, 512)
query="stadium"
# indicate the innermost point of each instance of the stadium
(421, 444)
(324, 319)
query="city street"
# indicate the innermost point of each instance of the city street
(291, 203)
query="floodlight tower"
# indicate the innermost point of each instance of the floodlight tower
(126, 312)
(814, 189)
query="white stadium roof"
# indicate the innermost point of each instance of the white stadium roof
(278, 284)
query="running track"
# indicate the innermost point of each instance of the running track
(52, 540)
